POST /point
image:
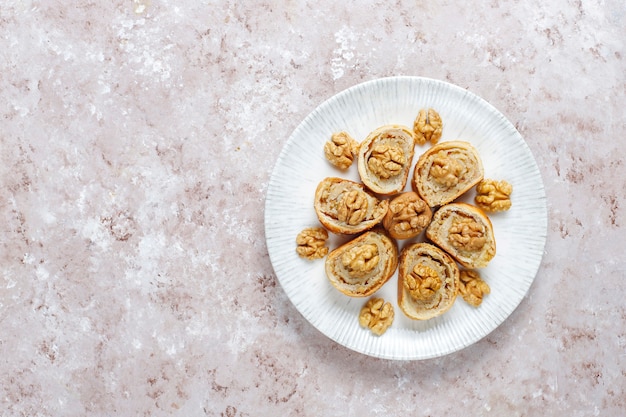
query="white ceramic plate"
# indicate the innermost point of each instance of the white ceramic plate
(520, 232)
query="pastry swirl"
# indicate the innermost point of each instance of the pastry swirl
(361, 266)
(446, 171)
(465, 232)
(344, 206)
(385, 157)
(428, 281)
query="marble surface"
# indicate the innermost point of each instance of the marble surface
(136, 143)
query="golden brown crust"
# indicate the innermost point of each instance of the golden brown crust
(407, 217)
(465, 233)
(346, 207)
(446, 171)
(424, 305)
(361, 266)
(385, 158)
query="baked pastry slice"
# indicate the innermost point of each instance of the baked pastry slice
(361, 266)
(446, 171)
(345, 206)
(428, 281)
(385, 158)
(465, 232)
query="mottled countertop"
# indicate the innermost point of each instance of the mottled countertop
(137, 139)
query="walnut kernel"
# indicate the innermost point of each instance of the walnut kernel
(312, 243)
(445, 170)
(386, 160)
(352, 208)
(492, 195)
(422, 283)
(340, 150)
(427, 127)
(360, 260)
(472, 288)
(377, 315)
(467, 234)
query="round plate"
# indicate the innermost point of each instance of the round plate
(520, 232)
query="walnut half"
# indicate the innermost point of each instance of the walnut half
(386, 160)
(353, 207)
(472, 288)
(361, 260)
(340, 150)
(427, 126)
(422, 283)
(467, 234)
(312, 243)
(492, 195)
(377, 315)
(445, 170)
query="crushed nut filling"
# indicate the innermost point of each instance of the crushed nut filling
(427, 127)
(493, 195)
(422, 283)
(467, 234)
(386, 160)
(377, 315)
(472, 288)
(341, 149)
(312, 243)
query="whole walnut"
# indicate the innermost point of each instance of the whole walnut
(377, 315)
(472, 287)
(422, 283)
(341, 149)
(467, 234)
(311, 243)
(492, 195)
(427, 126)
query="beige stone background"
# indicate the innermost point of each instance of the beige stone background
(136, 143)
